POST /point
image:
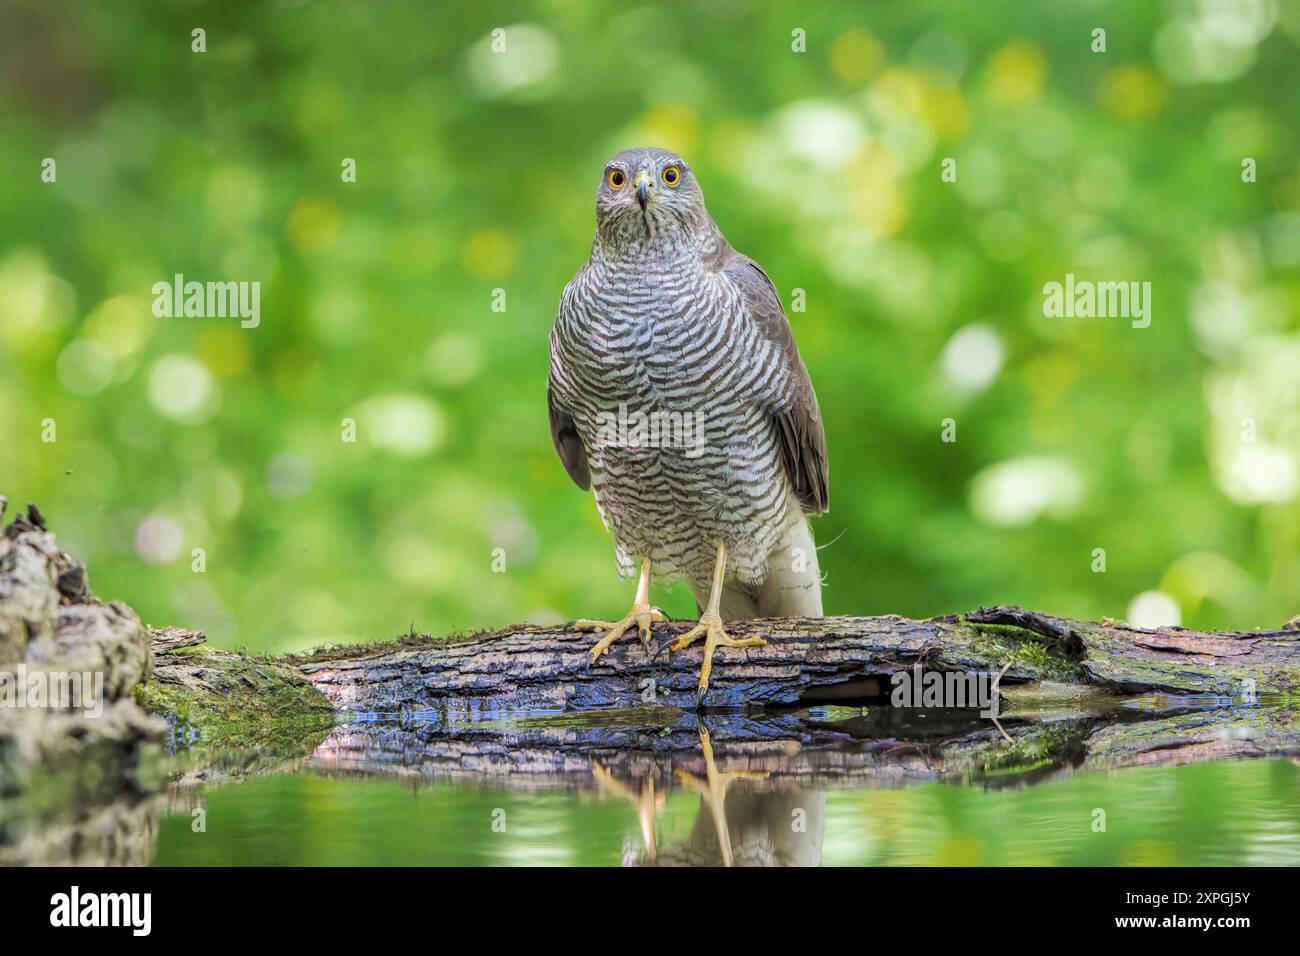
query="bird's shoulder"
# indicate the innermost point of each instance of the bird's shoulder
(574, 287)
(758, 297)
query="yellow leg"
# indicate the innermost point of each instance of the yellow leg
(710, 628)
(713, 791)
(645, 802)
(641, 617)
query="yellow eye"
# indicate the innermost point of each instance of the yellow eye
(617, 179)
(672, 175)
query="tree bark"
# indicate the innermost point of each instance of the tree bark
(521, 706)
(421, 709)
(533, 669)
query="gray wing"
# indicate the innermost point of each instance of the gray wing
(568, 444)
(803, 440)
(564, 431)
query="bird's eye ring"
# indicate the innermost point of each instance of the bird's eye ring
(672, 175)
(617, 179)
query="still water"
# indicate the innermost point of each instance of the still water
(1239, 812)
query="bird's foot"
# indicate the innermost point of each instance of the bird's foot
(714, 785)
(642, 616)
(710, 628)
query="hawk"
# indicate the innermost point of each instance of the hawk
(677, 394)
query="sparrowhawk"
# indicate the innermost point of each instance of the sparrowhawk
(677, 394)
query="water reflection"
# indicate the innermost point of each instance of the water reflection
(123, 833)
(794, 789)
(745, 828)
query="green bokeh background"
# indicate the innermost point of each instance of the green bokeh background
(1175, 448)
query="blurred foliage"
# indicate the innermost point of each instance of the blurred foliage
(1174, 448)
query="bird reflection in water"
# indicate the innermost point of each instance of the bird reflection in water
(744, 828)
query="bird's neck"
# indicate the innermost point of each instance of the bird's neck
(675, 249)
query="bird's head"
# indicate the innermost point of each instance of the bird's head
(647, 193)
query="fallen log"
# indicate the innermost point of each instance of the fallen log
(534, 669)
(522, 703)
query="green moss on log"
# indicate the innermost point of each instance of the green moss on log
(1026, 652)
(213, 697)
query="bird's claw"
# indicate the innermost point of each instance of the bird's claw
(711, 630)
(642, 616)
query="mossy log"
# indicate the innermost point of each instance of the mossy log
(531, 669)
(524, 698)
(520, 707)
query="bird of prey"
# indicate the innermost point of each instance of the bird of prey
(676, 393)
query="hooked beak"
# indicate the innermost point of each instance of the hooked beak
(642, 189)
